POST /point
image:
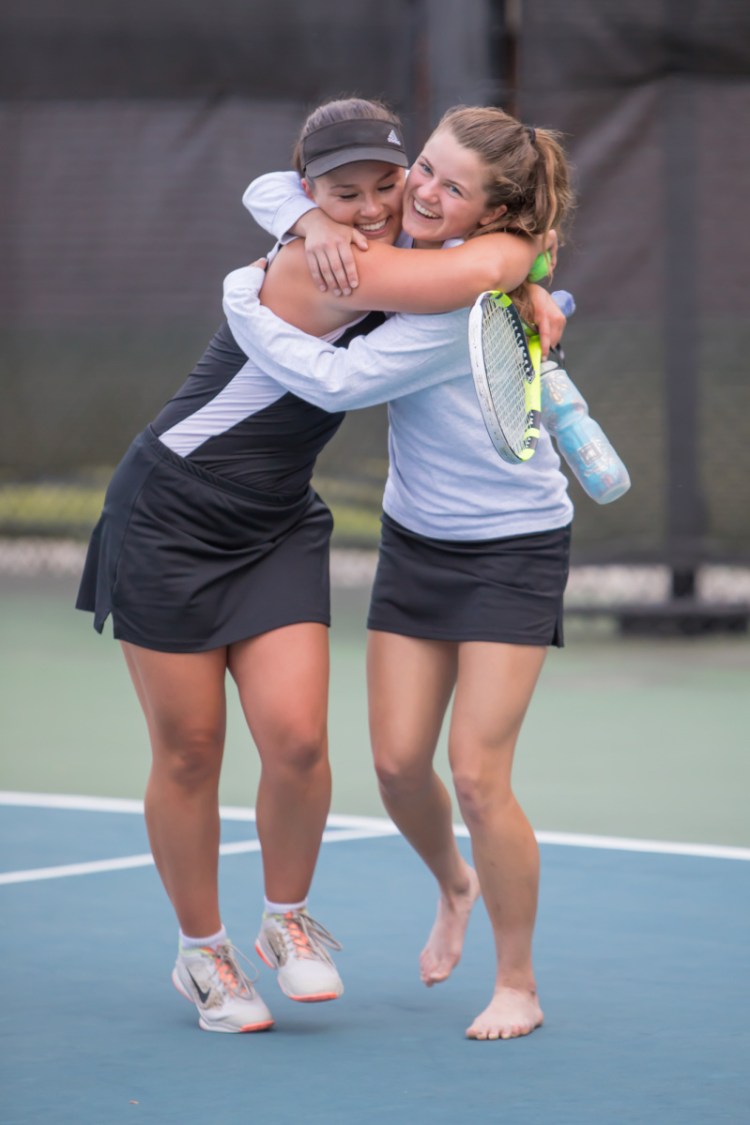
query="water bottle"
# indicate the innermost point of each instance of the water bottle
(580, 440)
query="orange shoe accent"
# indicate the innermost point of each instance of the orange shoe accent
(263, 957)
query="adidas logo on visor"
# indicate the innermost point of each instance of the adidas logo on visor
(393, 138)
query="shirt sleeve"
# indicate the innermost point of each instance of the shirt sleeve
(276, 201)
(404, 355)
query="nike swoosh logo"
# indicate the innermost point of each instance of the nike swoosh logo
(203, 995)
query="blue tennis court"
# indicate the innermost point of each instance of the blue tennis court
(641, 947)
(642, 958)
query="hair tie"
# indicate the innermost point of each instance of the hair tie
(532, 133)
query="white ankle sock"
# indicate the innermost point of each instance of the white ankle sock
(198, 942)
(283, 907)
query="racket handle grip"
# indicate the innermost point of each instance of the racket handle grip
(565, 301)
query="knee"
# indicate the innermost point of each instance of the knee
(398, 775)
(300, 749)
(479, 796)
(191, 758)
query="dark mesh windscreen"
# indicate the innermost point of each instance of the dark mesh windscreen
(652, 98)
(129, 133)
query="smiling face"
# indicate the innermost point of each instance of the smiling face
(367, 195)
(445, 194)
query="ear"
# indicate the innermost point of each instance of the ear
(307, 188)
(491, 216)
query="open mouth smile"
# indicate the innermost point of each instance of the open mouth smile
(422, 210)
(373, 228)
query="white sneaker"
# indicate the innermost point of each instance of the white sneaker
(297, 946)
(221, 991)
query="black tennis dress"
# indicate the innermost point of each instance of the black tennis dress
(211, 531)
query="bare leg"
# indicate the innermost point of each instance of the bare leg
(182, 696)
(282, 678)
(409, 685)
(495, 685)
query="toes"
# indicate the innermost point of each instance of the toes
(435, 978)
(515, 1031)
(431, 973)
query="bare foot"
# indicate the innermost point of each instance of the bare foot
(443, 950)
(511, 1013)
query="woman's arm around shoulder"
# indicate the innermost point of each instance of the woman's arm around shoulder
(404, 355)
(434, 281)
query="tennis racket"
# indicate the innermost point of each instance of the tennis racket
(505, 365)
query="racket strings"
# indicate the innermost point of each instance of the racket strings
(507, 373)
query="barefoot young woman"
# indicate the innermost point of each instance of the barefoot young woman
(473, 557)
(211, 555)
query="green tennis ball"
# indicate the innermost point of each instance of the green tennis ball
(541, 266)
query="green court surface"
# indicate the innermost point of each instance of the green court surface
(625, 737)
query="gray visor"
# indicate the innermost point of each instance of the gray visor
(343, 142)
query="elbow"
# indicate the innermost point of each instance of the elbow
(335, 399)
(329, 387)
(342, 394)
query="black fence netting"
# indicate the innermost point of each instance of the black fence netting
(650, 97)
(129, 134)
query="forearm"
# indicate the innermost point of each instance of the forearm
(499, 261)
(276, 201)
(396, 359)
(435, 281)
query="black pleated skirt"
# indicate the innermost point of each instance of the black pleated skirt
(507, 590)
(185, 561)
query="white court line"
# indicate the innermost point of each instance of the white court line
(653, 847)
(65, 870)
(124, 863)
(128, 805)
(346, 828)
